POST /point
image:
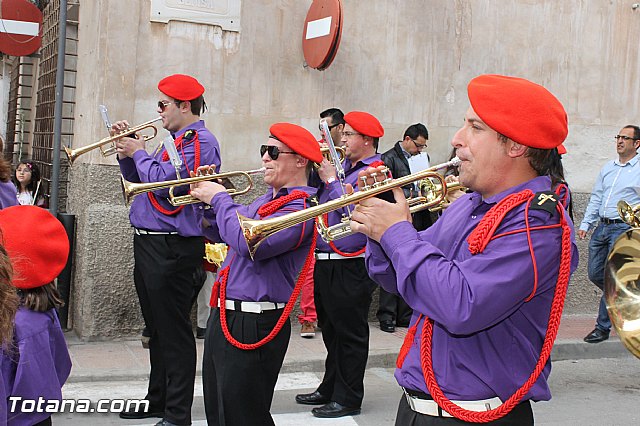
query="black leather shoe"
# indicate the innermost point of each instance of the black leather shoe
(314, 398)
(141, 414)
(333, 410)
(164, 422)
(200, 332)
(597, 336)
(387, 326)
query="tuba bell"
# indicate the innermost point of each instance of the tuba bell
(622, 289)
(630, 214)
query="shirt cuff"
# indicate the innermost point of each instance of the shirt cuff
(398, 234)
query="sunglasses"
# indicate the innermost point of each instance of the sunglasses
(273, 151)
(330, 127)
(162, 105)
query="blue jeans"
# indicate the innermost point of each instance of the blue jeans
(600, 245)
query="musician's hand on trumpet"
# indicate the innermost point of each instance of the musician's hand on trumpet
(207, 189)
(326, 170)
(373, 216)
(126, 146)
(452, 195)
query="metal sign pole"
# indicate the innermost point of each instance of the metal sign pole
(57, 115)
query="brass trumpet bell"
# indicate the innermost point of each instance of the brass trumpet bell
(630, 214)
(622, 289)
(72, 154)
(432, 195)
(326, 153)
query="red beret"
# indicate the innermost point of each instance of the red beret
(298, 139)
(365, 123)
(561, 149)
(37, 245)
(181, 87)
(523, 111)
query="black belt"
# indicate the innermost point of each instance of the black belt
(611, 221)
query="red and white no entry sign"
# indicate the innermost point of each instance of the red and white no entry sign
(322, 31)
(20, 27)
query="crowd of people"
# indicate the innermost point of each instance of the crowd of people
(480, 285)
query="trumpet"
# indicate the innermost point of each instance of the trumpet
(429, 191)
(256, 231)
(130, 189)
(326, 153)
(630, 214)
(72, 154)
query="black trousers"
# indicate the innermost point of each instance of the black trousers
(521, 415)
(392, 307)
(163, 274)
(342, 295)
(239, 384)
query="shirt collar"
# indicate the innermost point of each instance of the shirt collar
(537, 184)
(631, 162)
(407, 155)
(198, 125)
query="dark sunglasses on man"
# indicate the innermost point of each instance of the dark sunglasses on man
(330, 127)
(162, 105)
(273, 151)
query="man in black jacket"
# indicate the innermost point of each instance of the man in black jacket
(391, 307)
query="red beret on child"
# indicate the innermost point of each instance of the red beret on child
(37, 245)
(181, 87)
(298, 139)
(523, 111)
(365, 123)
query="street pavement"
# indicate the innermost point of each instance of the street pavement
(118, 369)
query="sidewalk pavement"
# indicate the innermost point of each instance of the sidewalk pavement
(128, 360)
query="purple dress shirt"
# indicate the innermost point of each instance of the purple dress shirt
(486, 337)
(353, 242)
(8, 195)
(37, 366)
(272, 274)
(144, 167)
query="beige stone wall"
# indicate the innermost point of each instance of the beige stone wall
(405, 62)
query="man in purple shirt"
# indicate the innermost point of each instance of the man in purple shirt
(343, 289)
(245, 342)
(168, 246)
(486, 278)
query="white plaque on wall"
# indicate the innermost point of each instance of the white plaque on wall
(224, 13)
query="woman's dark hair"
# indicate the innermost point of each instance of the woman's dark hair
(548, 162)
(8, 299)
(41, 299)
(35, 175)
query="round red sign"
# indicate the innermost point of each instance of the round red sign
(322, 31)
(20, 27)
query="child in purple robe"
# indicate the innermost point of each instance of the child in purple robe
(36, 364)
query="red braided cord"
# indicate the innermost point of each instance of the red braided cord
(165, 157)
(273, 206)
(555, 316)
(406, 343)
(481, 235)
(285, 314)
